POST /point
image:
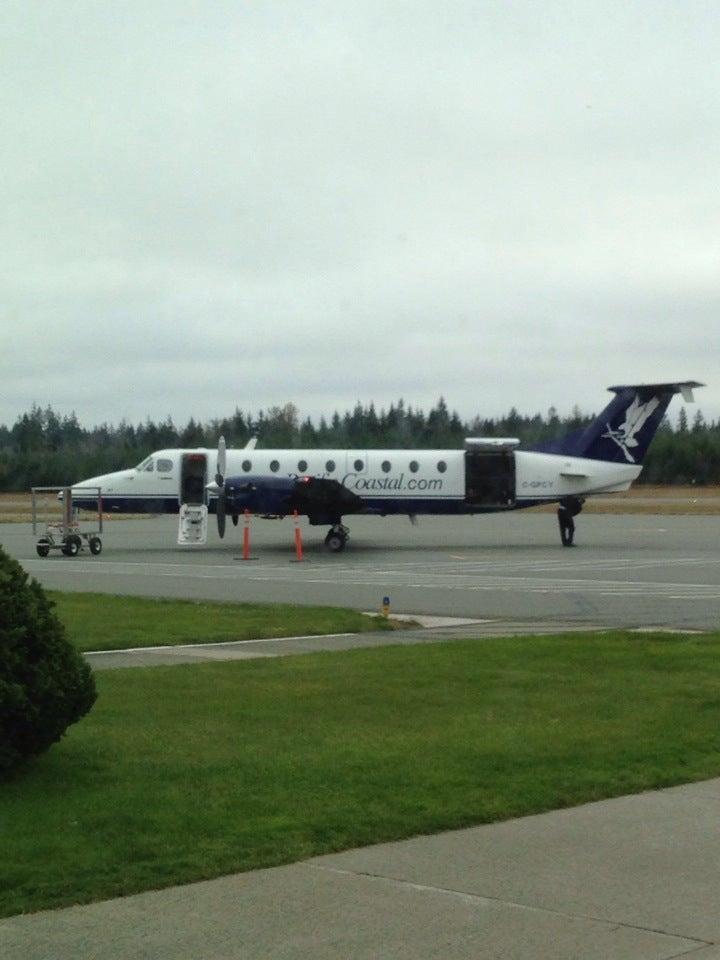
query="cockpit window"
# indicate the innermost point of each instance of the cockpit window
(146, 466)
(164, 466)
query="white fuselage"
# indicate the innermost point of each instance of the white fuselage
(387, 481)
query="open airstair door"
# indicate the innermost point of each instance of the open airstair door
(193, 479)
(192, 527)
(490, 473)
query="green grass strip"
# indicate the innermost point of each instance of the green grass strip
(108, 622)
(190, 772)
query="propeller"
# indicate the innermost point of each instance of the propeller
(221, 504)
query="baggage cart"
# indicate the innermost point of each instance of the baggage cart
(57, 524)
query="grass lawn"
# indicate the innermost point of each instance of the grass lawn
(106, 622)
(189, 772)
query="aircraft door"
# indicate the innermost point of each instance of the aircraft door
(490, 478)
(193, 478)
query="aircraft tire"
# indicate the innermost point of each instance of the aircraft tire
(43, 548)
(95, 544)
(335, 542)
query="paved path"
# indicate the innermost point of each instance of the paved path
(635, 878)
(293, 646)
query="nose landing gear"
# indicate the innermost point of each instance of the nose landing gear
(337, 537)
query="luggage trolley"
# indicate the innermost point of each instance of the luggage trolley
(63, 529)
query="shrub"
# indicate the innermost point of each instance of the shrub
(45, 684)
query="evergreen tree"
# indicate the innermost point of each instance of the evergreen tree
(42, 448)
(45, 684)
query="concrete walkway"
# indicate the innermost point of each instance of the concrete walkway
(449, 629)
(636, 878)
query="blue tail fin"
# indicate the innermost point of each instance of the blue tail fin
(623, 431)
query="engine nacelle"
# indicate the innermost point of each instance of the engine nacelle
(260, 494)
(320, 498)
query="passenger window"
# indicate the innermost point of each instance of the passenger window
(330, 466)
(359, 465)
(442, 466)
(247, 466)
(386, 466)
(164, 466)
(302, 466)
(414, 466)
(274, 466)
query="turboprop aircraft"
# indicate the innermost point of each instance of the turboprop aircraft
(490, 474)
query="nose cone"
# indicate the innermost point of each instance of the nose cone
(116, 482)
(85, 495)
(102, 481)
(92, 481)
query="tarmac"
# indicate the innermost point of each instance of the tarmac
(627, 570)
(634, 878)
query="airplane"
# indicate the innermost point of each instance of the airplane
(489, 475)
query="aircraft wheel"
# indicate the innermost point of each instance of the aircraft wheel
(43, 548)
(95, 544)
(71, 547)
(335, 541)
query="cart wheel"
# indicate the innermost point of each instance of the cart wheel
(95, 544)
(71, 547)
(43, 548)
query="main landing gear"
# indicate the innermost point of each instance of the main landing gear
(569, 508)
(337, 538)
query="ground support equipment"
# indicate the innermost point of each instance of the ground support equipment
(56, 524)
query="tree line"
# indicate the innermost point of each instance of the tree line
(42, 448)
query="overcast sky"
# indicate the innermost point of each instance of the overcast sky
(209, 205)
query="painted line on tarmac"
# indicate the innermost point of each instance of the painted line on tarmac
(395, 578)
(550, 565)
(89, 566)
(494, 564)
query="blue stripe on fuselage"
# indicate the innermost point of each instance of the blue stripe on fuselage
(133, 504)
(380, 506)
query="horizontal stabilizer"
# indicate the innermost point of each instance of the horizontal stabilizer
(685, 387)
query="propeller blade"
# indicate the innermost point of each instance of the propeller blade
(221, 505)
(221, 513)
(221, 462)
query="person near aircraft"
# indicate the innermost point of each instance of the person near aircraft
(567, 511)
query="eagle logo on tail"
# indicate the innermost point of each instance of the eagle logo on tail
(636, 416)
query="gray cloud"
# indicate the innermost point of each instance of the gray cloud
(218, 204)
